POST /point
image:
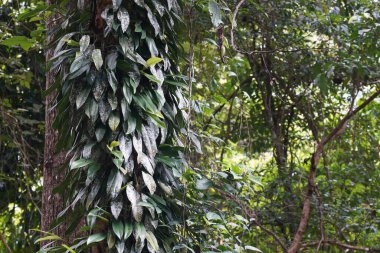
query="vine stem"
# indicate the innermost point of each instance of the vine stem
(189, 105)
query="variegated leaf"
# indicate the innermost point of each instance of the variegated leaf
(130, 165)
(149, 182)
(146, 162)
(139, 245)
(84, 43)
(114, 182)
(134, 197)
(152, 242)
(150, 129)
(153, 20)
(125, 147)
(123, 16)
(164, 132)
(140, 3)
(97, 58)
(147, 141)
(112, 100)
(137, 145)
(154, 128)
(159, 7)
(94, 191)
(116, 207)
(120, 245)
(104, 111)
(116, 4)
(132, 194)
(166, 188)
(114, 121)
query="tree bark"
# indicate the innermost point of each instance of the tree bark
(52, 204)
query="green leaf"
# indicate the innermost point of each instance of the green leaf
(92, 110)
(68, 248)
(82, 97)
(152, 78)
(49, 238)
(112, 80)
(77, 65)
(22, 41)
(128, 229)
(110, 239)
(203, 184)
(131, 124)
(99, 133)
(97, 58)
(94, 191)
(118, 228)
(153, 61)
(92, 169)
(252, 248)
(213, 216)
(215, 13)
(179, 84)
(96, 238)
(156, 120)
(80, 163)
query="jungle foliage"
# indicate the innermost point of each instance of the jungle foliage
(193, 126)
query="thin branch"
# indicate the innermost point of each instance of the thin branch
(253, 216)
(321, 219)
(219, 108)
(281, 49)
(340, 245)
(338, 130)
(7, 248)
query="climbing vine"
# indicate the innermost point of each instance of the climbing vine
(121, 113)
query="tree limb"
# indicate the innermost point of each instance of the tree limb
(340, 245)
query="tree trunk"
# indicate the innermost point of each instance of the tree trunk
(53, 173)
(51, 203)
